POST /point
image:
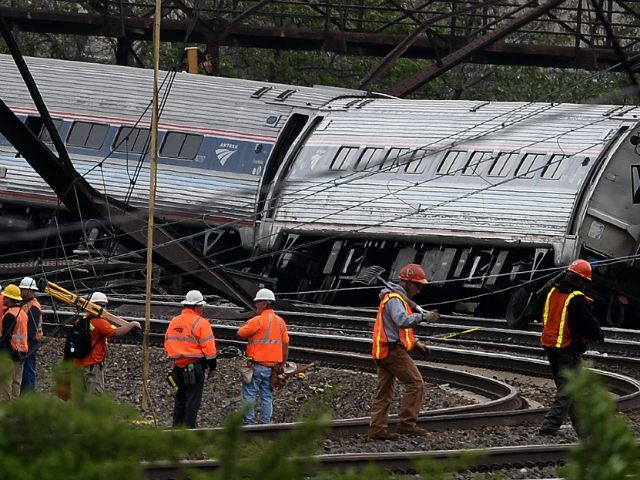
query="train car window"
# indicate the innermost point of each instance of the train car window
(131, 140)
(396, 157)
(477, 163)
(452, 162)
(181, 145)
(418, 161)
(87, 134)
(343, 158)
(555, 167)
(503, 164)
(531, 164)
(370, 159)
(36, 125)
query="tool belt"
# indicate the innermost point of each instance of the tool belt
(190, 373)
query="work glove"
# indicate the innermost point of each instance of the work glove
(422, 349)
(431, 316)
(212, 363)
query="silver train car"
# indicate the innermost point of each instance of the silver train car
(215, 136)
(484, 195)
(310, 185)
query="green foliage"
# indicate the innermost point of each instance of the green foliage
(87, 437)
(608, 449)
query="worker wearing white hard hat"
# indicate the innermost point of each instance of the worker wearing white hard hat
(267, 349)
(194, 297)
(31, 306)
(190, 344)
(101, 329)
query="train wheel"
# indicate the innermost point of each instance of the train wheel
(615, 312)
(519, 308)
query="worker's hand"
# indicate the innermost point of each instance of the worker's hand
(431, 316)
(136, 325)
(422, 349)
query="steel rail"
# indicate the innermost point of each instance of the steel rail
(397, 462)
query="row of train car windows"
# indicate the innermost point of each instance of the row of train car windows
(128, 139)
(451, 162)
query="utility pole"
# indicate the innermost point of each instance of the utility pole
(153, 172)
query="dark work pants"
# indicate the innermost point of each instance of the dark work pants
(29, 374)
(188, 398)
(559, 361)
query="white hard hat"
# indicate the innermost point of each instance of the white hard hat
(99, 297)
(28, 283)
(265, 294)
(193, 297)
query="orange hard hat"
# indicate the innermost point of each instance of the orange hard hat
(413, 273)
(580, 267)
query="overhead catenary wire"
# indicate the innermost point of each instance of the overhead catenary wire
(375, 172)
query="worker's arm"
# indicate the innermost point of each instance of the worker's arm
(396, 311)
(249, 328)
(124, 329)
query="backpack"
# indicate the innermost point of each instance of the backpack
(78, 341)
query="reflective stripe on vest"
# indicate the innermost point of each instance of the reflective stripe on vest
(380, 346)
(26, 307)
(19, 335)
(268, 347)
(555, 328)
(181, 340)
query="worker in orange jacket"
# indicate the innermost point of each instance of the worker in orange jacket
(567, 328)
(101, 330)
(268, 348)
(13, 338)
(393, 338)
(190, 343)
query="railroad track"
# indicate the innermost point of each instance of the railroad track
(396, 462)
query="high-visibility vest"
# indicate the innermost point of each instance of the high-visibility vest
(189, 338)
(26, 307)
(265, 345)
(19, 335)
(380, 346)
(555, 325)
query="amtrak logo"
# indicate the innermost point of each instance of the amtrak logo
(225, 152)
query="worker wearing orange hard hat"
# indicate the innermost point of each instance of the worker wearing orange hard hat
(393, 338)
(567, 328)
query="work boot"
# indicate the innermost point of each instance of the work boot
(547, 432)
(414, 431)
(383, 436)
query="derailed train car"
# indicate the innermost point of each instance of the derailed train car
(484, 195)
(215, 136)
(311, 185)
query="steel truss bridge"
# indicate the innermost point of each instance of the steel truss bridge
(585, 34)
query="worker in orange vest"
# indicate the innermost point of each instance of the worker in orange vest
(567, 328)
(32, 308)
(393, 338)
(13, 338)
(101, 329)
(190, 343)
(268, 348)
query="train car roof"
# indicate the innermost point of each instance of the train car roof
(118, 94)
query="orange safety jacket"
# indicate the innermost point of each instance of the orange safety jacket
(189, 338)
(265, 345)
(380, 346)
(26, 307)
(555, 325)
(19, 335)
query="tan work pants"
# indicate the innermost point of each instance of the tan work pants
(11, 389)
(94, 378)
(401, 366)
